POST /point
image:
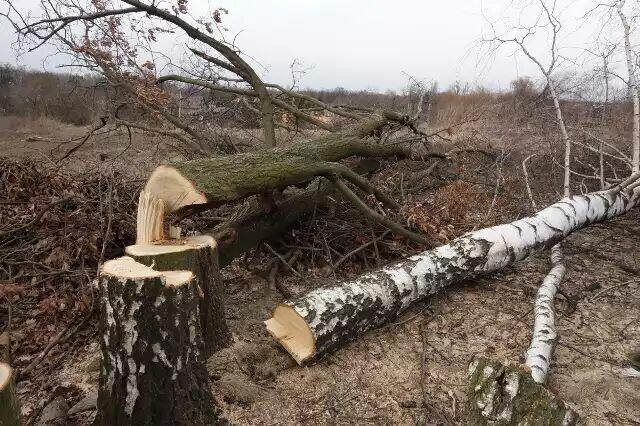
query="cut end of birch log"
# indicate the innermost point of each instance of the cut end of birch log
(9, 407)
(506, 394)
(292, 332)
(169, 185)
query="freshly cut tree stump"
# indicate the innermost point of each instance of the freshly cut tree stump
(326, 318)
(506, 394)
(9, 407)
(198, 254)
(153, 370)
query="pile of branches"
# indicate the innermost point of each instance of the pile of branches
(55, 229)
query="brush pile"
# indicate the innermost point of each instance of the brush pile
(55, 228)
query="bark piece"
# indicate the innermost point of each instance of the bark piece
(506, 394)
(9, 407)
(544, 329)
(326, 318)
(152, 370)
(198, 254)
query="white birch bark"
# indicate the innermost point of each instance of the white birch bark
(328, 317)
(633, 86)
(544, 329)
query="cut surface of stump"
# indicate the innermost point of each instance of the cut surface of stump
(199, 255)
(9, 407)
(152, 352)
(506, 394)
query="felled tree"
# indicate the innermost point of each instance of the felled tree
(326, 318)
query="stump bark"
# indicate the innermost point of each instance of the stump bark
(506, 394)
(9, 407)
(153, 369)
(198, 254)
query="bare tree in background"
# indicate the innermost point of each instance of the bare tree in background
(554, 26)
(631, 82)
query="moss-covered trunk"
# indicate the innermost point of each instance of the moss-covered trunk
(506, 394)
(224, 179)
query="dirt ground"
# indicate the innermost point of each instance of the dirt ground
(412, 371)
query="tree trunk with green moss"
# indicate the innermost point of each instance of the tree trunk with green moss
(506, 394)
(224, 179)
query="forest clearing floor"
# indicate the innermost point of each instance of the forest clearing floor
(412, 371)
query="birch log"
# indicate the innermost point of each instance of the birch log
(198, 254)
(326, 318)
(153, 371)
(544, 328)
(9, 407)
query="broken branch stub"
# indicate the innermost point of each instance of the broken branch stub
(198, 254)
(9, 407)
(326, 318)
(153, 368)
(506, 394)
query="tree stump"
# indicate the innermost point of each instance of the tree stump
(9, 407)
(153, 370)
(198, 254)
(506, 394)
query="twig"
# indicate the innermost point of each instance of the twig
(35, 219)
(291, 268)
(366, 210)
(604, 290)
(359, 249)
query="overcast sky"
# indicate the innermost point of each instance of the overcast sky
(362, 44)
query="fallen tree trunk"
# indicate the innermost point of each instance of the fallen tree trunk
(326, 318)
(248, 228)
(210, 182)
(505, 394)
(544, 329)
(198, 254)
(9, 407)
(152, 366)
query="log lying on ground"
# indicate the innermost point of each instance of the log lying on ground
(9, 407)
(506, 394)
(326, 318)
(214, 181)
(251, 226)
(198, 254)
(544, 329)
(152, 369)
